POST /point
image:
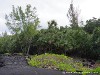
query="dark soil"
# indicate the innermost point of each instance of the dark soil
(17, 65)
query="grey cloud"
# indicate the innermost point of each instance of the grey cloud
(48, 10)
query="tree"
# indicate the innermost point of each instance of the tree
(5, 43)
(18, 20)
(23, 24)
(52, 24)
(73, 16)
(91, 25)
(96, 42)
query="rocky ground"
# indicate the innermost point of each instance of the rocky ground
(17, 65)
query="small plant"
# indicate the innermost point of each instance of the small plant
(7, 53)
(34, 63)
(96, 70)
(20, 53)
(66, 67)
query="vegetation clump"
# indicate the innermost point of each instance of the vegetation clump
(57, 62)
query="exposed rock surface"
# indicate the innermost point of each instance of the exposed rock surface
(17, 65)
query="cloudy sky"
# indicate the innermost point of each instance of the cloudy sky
(51, 9)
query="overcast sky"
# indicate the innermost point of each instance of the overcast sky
(51, 9)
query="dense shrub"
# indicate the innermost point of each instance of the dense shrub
(67, 41)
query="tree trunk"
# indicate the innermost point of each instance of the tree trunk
(28, 50)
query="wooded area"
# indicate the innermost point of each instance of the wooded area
(69, 40)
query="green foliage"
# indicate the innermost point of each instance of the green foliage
(96, 42)
(61, 41)
(96, 35)
(97, 70)
(77, 38)
(23, 25)
(19, 20)
(5, 44)
(64, 40)
(91, 25)
(66, 67)
(58, 62)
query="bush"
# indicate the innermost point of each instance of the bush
(97, 70)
